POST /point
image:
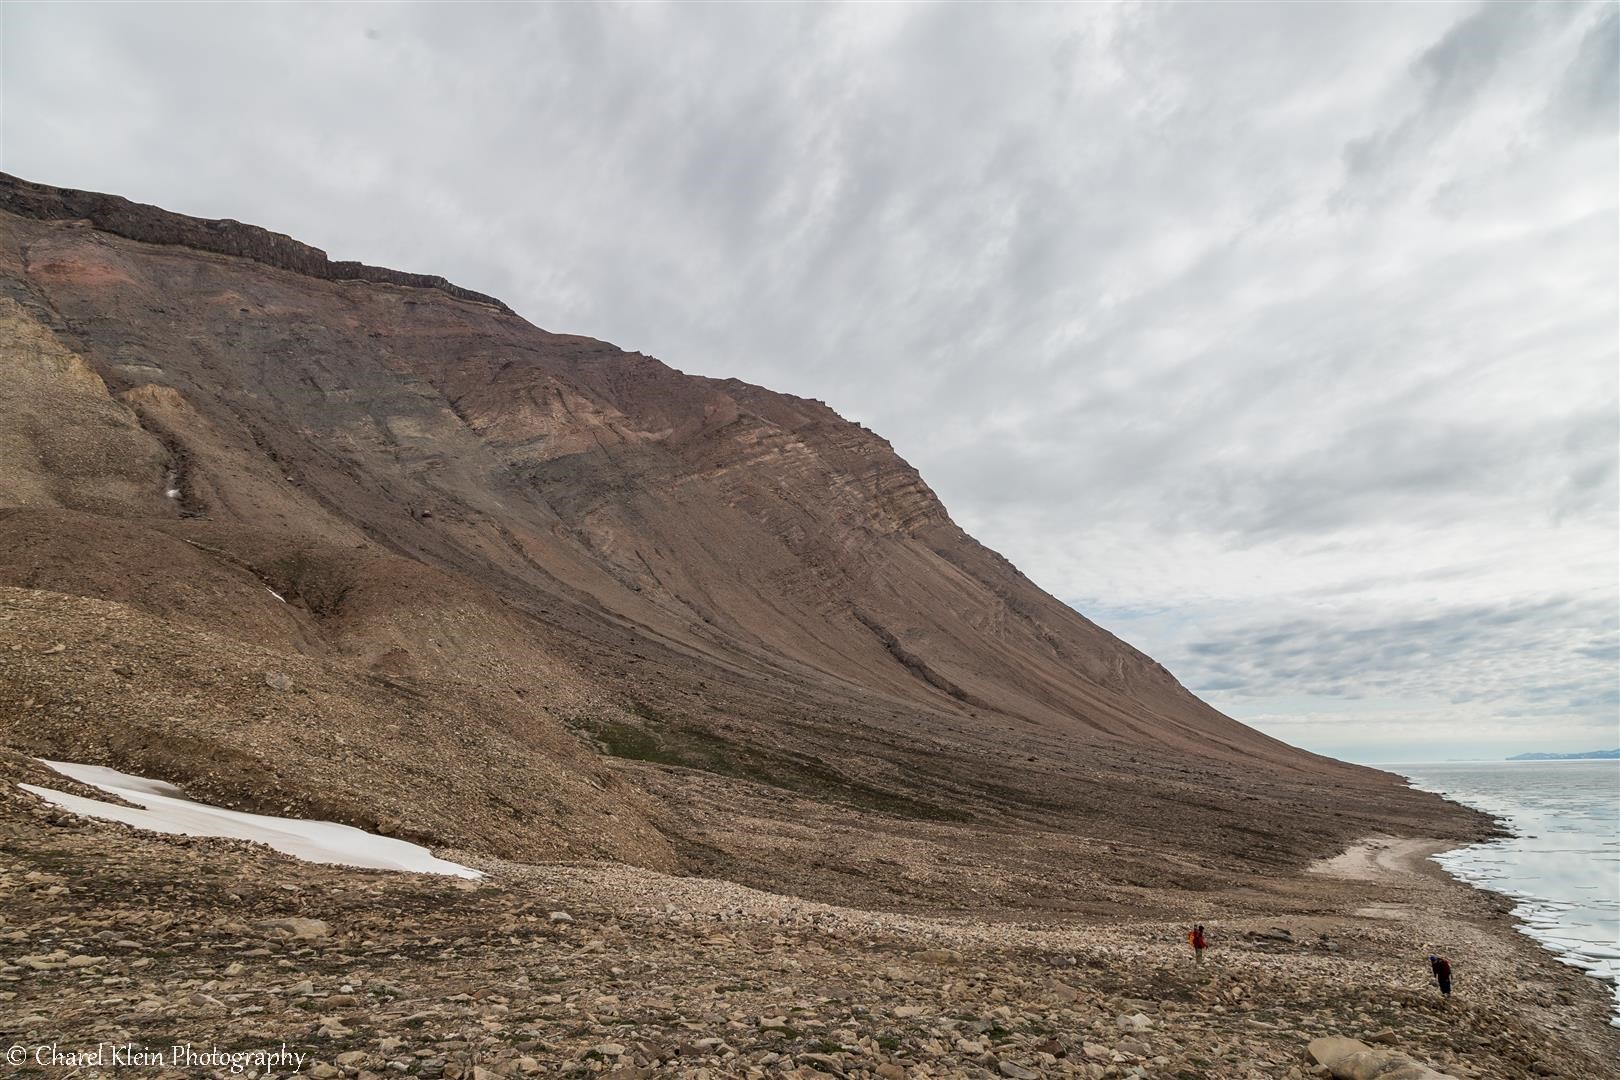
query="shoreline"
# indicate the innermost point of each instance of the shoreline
(1592, 957)
(1409, 864)
(1386, 859)
(605, 968)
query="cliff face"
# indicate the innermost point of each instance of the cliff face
(139, 221)
(630, 611)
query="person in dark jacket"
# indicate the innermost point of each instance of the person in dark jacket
(1442, 973)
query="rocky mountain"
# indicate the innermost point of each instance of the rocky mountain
(296, 533)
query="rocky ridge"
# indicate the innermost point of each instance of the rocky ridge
(153, 225)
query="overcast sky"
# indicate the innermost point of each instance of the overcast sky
(1279, 339)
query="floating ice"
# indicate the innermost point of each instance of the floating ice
(167, 810)
(1560, 866)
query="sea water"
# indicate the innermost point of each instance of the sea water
(1562, 863)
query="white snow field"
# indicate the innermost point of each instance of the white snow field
(167, 810)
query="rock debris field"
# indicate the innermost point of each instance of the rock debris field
(112, 936)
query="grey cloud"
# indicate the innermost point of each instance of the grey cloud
(1460, 63)
(1452, 73)
(1589, 96)
(1608, 651)
(1526, 653)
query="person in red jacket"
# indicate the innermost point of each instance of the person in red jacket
(1195, 937)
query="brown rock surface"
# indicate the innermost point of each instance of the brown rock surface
(108, 935)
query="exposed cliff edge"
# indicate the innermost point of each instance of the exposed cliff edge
(152, 225)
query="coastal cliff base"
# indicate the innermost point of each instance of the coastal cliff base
(111, 936)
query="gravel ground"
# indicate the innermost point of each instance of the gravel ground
(112, 937)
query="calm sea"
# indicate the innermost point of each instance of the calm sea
(1563, 863)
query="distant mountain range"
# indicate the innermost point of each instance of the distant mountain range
(1566, 757)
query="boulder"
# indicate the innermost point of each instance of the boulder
(1330, 1048)
(1134, 1022)
(1412, 1070)
(1351, 1059)
(1062, 991)
(1368, 1064)
(298, 928)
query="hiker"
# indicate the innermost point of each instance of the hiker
(1195, 937)
(1442, 973)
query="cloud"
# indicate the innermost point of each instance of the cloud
(1289, 327)
(1554, 652)
(1588, 100)
(1500, 48)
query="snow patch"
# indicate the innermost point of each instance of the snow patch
(167, 810)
